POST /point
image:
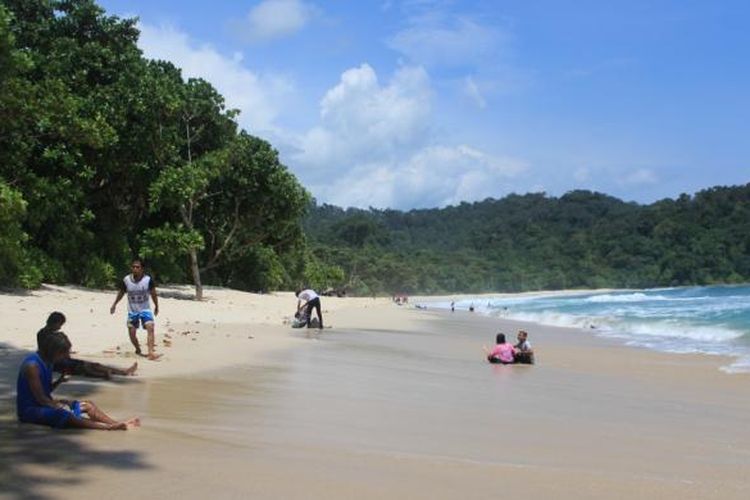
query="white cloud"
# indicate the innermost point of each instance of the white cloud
(432, 176)
(472, 91)
(440, 40)
(639, 177)
(374, 146)
(257, 96)
(360, 118)
(273, 19)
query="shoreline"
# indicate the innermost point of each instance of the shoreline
(734, 363)
(391, 402)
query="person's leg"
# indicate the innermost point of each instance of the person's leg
(96, 370)
(134, 338)
(97, 415)
(85, 423)
(151, 341)
(123, 372)
(104, 371)
(308, 313)
(319, 313)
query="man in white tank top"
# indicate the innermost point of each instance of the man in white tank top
(139, 287)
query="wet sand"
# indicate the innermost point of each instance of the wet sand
(398, 403)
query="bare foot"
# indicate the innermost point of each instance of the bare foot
(132, 369)
(154, 356)
(119, 426)
(132, 423)
(138, 351)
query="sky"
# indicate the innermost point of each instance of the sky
(426, 103)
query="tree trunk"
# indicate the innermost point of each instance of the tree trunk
(196, 274)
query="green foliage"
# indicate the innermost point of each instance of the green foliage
(12, 237)
(532, 242)
(115, 155)
(98, 273)
(321, 276)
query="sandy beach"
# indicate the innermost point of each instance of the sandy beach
(391, 402)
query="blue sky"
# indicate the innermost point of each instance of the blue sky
(423, 103)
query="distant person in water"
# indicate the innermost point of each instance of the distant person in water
(139, 286)
(70, 366)
(34, 401)
(453, 307)
(524, 354)
(308, 300)
(502, 353)
(471, 308)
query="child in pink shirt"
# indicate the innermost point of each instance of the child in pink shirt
(503, 352)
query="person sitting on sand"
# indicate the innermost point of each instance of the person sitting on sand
(34, 401)
(524, 354)
(70, 366)
(503, 352)
(311, 300)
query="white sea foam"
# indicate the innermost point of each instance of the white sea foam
(631, 297)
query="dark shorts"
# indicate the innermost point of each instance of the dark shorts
(70, 367)
(52, 417)
(525, 358)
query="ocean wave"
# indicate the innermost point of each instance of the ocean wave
(614, 327)
(740, 365)
(631, 297)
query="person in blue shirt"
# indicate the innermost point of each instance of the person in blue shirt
(34, 401)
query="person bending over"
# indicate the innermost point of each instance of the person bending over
(308, 300)
(70, 366)
(34, 401)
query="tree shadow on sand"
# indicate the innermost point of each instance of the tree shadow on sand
(34, 458)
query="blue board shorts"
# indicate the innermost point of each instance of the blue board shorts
(140, 318)
(52, 417)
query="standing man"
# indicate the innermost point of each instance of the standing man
(308, 300)
(139, 286)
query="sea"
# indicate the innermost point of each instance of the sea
(707, 319)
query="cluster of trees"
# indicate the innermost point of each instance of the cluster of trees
(532, 242)
(105, 154)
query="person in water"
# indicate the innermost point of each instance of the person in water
(524, 354)
(34, 401)
(503, 352)
(70, 366)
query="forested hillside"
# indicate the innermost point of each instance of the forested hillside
(534, 242)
